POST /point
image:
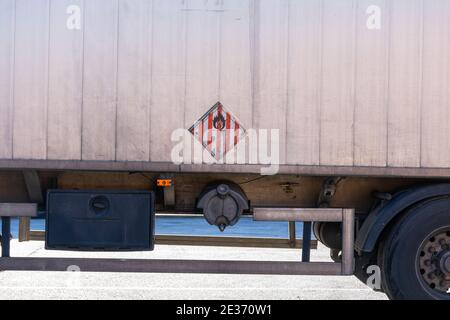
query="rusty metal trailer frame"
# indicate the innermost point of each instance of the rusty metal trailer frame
(346, 267)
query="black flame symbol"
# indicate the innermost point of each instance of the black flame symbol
(219, 122)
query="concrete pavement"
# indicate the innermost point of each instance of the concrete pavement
(75, 285)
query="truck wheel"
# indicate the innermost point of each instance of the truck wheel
(415, 254)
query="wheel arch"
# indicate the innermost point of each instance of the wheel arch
(379, 218)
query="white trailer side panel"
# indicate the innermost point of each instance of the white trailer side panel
(100, 80)
(338, 83)
(405, 83)
(372, 83)
(134, 85)
(168, 75)
(31, 79)
(348, 83)
(65, 81)
(203, 45)
(237, 35)
(304, 82)
(7, 20)
(435, 113)
(270, 79)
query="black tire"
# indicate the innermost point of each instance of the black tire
(402, 248)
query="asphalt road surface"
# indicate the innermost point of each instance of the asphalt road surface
(77, 285)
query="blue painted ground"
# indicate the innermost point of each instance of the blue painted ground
(197, 226)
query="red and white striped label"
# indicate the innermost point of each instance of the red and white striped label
(218, 131)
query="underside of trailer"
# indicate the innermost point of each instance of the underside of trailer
(352, 215)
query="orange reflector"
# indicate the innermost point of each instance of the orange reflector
(164, 183)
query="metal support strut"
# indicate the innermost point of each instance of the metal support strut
(6, 232)
(306, 250)
(8, 210)
(346, 216)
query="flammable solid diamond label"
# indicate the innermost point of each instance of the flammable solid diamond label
(218, 131)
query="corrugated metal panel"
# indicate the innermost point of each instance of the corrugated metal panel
(372, 83)
(304, 82)
(65, 82)
(115, 89)
(134, 85)
(435, 113)
(31, 65)
(338, 83)
(405, 83)
(7, 15)
(270, 78)
(99, 140)
(168, 75)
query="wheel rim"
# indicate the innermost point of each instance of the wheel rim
(433, 261)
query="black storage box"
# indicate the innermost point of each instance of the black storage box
(100, 220)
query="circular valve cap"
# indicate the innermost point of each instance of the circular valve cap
(223, 189)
